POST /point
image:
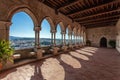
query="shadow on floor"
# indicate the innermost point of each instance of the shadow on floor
(88, 63)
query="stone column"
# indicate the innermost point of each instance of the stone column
(37, 36)
(53, 35)
(74, 39)
(71, 38)
(52, 38)
(79, 39)
(84, 38)
(4, 29)
(62, 38)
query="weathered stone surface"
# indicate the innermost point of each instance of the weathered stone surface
(95, 34)
(95, 64)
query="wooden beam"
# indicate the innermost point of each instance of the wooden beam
(42, 1)
(99, 19)
(100, 6)
(99, 14)
(105, 24)
(101, 22)
(68, 4)
(99, 26)
(113, 23)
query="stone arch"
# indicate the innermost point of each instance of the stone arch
(79, 31)
(52, 26)
(25, 9)
(61, 26)
(69, 29)
(74, 30)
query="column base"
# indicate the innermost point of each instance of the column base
(55, 50)
(40, 53)
(71, 46)
(64, 48)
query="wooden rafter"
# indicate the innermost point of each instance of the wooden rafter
(93, 8)
(99, 19)
(99, 14)
(68, 4)
(99, 24)
(117, 13)
(82, 11)
(113, 20)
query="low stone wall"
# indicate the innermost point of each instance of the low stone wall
(24, 52)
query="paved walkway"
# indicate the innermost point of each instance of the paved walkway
(87, 63)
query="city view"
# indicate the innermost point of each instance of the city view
(22, 32)
(24, 43)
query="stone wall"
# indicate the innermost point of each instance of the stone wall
(118, 36)
(36, 10)
(95, 34)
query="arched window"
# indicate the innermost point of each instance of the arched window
(45, 35)
(58, 35)
(22, 31)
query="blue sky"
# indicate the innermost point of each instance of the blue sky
(23, 26)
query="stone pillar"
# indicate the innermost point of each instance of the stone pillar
(4, 29)
(37, 36)
(62, 38)
(79, 39)
(71, 38)
(74, 39)
(84, 38)
(53, 37)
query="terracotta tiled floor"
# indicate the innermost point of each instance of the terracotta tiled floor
(87, 63)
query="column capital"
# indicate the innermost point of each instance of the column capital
(38, 28)
(5, 24)
(70, 33)
(53, 31)
(63, 32)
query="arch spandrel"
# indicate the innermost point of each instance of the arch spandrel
(23, 8)
(50, 20)
(61, 26)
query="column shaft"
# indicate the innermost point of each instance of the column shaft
(64, 39)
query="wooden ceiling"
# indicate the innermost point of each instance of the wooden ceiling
(89, 13)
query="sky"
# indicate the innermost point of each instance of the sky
(23, 26)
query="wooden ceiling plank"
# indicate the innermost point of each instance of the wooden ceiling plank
(68, 4)
(101, 25)
(101, 18)
(93, 8)
(97, 26)
(101, 22)
(92, 2)
(98, 14)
